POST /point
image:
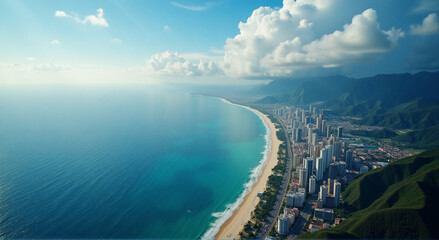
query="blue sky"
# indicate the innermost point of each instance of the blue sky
(214, 41)
(30, 26)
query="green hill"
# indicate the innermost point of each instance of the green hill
(426, 138)
(416, 114)
(308, 90)
(384, 92)
(383, 133)
(397, 201)
(321, 89)
(354, 96)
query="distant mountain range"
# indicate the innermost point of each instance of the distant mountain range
(306, 90)
(398, 201)
(396, 101)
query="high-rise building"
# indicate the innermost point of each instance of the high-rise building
(291, 215)
(328, 131)
(310, 150)
(304, 117)
(331, 140)
(309, 135)
(299, 135)
(331, 186)
(323, 130)
(330, 153)
(290, 199)
(283, 225)
(333, 170)
(303, 177)
(324, 156)
(299, 115)
(314, 139)
(342, 169)
(337, 150)
(307, 120)
(312, 185)
(295, 123)
(309, 166)
(322, 194)
(299, 198)
(316, 151)
(311, 139)
(319, 124)
(337, 191)
(339, 132)
(319, 168)
(294, 133)
(349, 158)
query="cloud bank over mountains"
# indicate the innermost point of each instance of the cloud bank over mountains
(298, 37)
(274, 43)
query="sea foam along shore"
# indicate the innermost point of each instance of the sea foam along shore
(231, 221)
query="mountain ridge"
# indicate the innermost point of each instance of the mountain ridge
(393, 101)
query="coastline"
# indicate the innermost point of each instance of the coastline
(242, 214)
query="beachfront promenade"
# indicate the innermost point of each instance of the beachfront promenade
(272, 216)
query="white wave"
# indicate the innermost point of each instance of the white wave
(255, 173)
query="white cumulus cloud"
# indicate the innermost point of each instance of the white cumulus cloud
(98, 19)
(276, 42)
(304, 23)
(61, 14)
(95, 20)
(429, 26)
(299, 37)
(55, 42)
(172, 64)
(356, 42)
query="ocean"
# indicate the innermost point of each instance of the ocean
(122, 161)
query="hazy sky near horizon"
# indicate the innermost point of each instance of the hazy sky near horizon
(220, 41)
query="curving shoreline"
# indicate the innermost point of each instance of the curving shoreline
(235, 223)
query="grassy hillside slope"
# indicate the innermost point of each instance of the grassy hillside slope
(416, 114)
(427, 138)
(383, 133)
(397, 201)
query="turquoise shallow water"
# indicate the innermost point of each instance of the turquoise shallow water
(120, 161)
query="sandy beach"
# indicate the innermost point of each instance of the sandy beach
(233, 225)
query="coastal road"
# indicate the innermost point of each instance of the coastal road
(272, 216)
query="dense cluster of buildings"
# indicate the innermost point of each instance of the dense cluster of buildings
(286, 220)
(321, 160)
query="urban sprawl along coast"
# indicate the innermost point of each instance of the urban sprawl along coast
(325, 159)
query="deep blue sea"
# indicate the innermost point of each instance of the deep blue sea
(121, 161)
